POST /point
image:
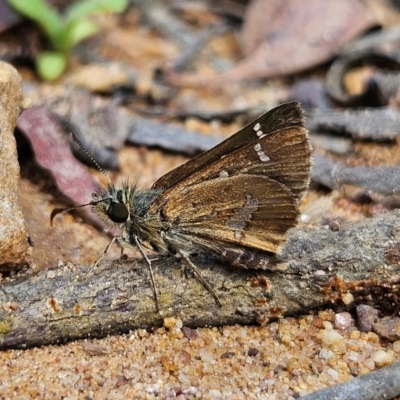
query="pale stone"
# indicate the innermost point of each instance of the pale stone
(13, 235)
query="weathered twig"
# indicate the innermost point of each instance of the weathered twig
(317, 267)
(382, 180)
(381, 384)
(379, 124)
(171, 137)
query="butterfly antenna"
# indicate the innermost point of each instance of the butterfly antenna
(76, 140)
(63, 210)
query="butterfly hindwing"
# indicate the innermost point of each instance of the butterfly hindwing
(249, 210)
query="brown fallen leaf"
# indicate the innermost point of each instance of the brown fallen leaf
(52, 153)
(280, 38)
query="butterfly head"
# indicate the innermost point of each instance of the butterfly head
(113, 205)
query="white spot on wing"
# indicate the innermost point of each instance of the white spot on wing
(260, 134)
(261, 155)
(257, 126)
(223, 174)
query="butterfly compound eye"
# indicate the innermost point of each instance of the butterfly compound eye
(117, 212)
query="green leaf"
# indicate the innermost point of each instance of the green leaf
(44, 15)
(63, 33)
(78, 31)
(85, 8)
(50, 65)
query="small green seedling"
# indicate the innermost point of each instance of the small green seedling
(64, 31)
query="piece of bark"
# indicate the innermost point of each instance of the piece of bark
(331, 143)
(170, 137)
(13, 235)
(376, 91)
(95, 118)
(318, 267)
(92, 118)
(221, 115)
(161, 18)
(382, 180)
(189, 52)
(379, 124)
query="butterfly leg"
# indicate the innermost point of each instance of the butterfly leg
(106, 250)
(139, 246)
(193, 267)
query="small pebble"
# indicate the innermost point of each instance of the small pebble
(382, 357)
(253, 352)
(366, 316)
(343, 320)
(51, 274)
(169, 322)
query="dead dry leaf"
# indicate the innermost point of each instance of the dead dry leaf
(280, 38)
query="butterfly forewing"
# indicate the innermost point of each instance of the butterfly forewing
(289, 158)
(284, 116)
